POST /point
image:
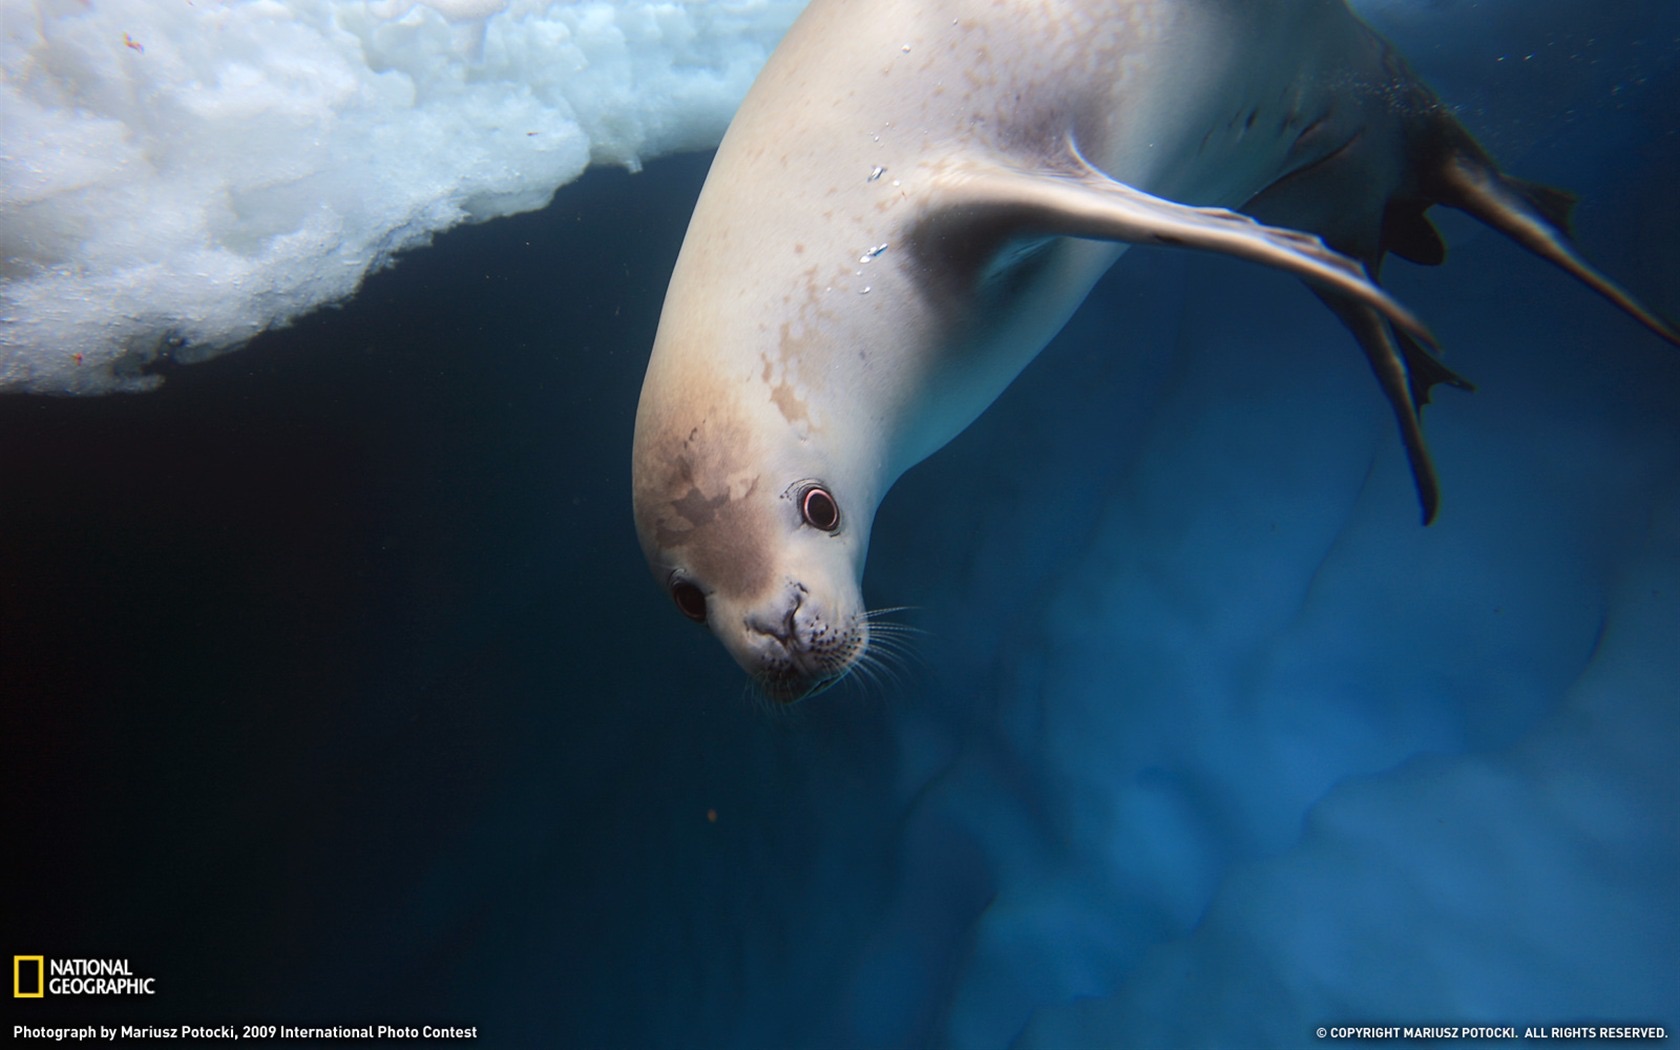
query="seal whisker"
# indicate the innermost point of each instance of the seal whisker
(897, 632)
(890, 656)
(888, 670)
(875, 618)
(875, 677)
(892, 645)
(894, 666)
(870, 614)
(865, 677)
(755, 698)
(894, 628)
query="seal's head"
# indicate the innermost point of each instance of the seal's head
(758, 537)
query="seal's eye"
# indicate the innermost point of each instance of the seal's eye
(819, 509)
(691, 600)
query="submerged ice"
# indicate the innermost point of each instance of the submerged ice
(177, 177)
(1262, 754)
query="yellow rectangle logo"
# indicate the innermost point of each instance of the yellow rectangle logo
(18, 970)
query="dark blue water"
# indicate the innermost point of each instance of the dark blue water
(336, 691)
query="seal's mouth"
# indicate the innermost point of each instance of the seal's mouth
(795, 669)
(790, 685)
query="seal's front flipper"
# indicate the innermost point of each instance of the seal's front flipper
(984, 206)
(1535, 216)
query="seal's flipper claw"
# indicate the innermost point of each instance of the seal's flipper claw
(1535, 216)
(986, 205)
(1406, 372)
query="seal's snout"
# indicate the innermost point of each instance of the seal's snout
(796, 649)
(782, 628)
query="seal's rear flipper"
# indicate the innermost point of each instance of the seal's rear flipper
(1406, 372)
(985, 206)
(1459, 174)
(989, 205)
(1535, 216)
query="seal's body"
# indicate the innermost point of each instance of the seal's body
(913, 199)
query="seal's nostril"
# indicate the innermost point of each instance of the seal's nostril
(781, 630)
(781, 627)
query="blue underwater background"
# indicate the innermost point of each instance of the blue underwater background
(336, 692)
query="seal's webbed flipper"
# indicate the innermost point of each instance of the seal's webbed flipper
(1424, 370)
(991, 205)
(1535, 216)
(1406, 372)
(984, 206)
(1453, 170)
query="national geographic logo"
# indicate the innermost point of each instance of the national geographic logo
(36, 977)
